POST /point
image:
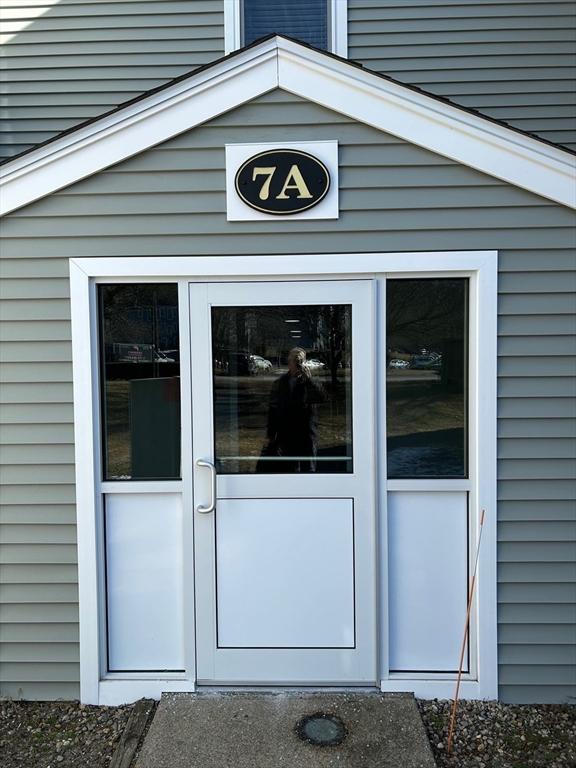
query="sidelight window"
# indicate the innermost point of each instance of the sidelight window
(426, 378)
(140, 381)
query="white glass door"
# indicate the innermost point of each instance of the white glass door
(284, 481)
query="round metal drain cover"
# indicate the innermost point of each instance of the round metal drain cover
(321, 729)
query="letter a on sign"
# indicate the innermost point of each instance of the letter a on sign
(294, 176)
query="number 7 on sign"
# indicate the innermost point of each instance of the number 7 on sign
(269, 171)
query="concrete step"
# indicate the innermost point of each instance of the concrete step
(266, 730)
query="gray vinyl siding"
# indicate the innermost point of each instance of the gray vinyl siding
(70, 61)
(394, 197)
(79, 58)
(511, 59)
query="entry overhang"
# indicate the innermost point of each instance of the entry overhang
(403, 111)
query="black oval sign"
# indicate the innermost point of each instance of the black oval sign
(282, 181)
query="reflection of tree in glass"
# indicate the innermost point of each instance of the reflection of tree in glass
(420, 312)
(140, 314)
(426, 325)
(333, 332)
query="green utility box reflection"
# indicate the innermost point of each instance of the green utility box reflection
(155, 428)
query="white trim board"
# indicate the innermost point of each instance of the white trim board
(232, 26)
(336, 84)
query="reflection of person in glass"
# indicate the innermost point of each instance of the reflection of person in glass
(293, 416)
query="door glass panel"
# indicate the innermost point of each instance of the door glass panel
(426, 381)
(140, 375)
(282, 380)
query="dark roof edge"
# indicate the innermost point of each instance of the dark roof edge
(355, 64)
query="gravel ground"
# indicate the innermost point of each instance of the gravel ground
(488, 734)
(59, 734)
(494, 735)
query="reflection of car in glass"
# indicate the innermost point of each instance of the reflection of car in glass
(315, 364)
(162, 357)
(432, 361)
(260, 364)
(396, 363)
(172, 353)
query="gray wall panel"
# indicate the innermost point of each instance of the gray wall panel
(68, 62)
(472, 51)
(395, 198)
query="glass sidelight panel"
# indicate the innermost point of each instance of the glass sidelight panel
(282, 379)
(426, 379)
(140, 375)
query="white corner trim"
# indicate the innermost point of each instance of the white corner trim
(412, 116)
(483, 454)
(85, 457)
(232, 25)
(339, 27)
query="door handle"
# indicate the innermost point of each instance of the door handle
(212, 506)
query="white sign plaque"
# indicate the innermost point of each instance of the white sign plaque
(278, 188)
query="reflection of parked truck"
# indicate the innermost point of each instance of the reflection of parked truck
(120, 352)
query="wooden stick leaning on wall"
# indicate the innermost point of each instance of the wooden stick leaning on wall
(465, 638)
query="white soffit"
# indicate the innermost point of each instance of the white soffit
(461, 136)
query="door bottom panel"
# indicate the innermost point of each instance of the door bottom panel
(285, 573)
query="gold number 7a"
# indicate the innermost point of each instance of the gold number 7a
(269, 172)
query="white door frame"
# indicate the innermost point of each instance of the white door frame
(98, 687)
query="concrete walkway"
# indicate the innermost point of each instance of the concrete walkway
(258, 730)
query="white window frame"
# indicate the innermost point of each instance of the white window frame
(337, 26)
(85, 273)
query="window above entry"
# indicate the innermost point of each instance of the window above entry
(305, 20)
(321, 23)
